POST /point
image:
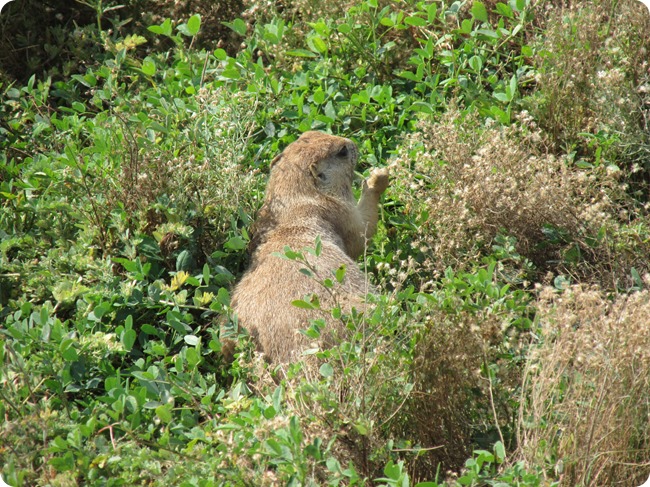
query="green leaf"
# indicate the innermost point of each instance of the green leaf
(235, 243)
(500, 115)
(313, 332)
(466, 480)
(182, 28)
(223, 296)
(294, 429)
(79, 107)
(466, 26)
(194, 24)
(128, 339)
(184, 261)
(101, 309)
(143, 376)
(163, 29)
(340, 273)
(149, 330)
(220, 54)
(301, 53)
(148, 67)
(422, 107)
(274, 447)
(270, 412)
(513, 86)
(344, 28)
(415, 21)
(326, 370)
(206, 274)
(479, 12)
(306, 272)
(192, 356)
(432, 11)
(130, 266)
(152, 404)
(489, 33)
(164, 413)
(410, 76)
(64, 463)
(476, 63)
(238, 25)
(499, 451)
(330, 112)
(317, 44)
(68, 352)
(319, 96)
(300, 303)
(573, 254)
(362, 429)
(191, 340)
(193, 281)
(561, 282)
(395, 472)
(504, 10)
(636, 277)
(231, 73)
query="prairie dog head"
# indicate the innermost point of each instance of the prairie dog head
(319, 160)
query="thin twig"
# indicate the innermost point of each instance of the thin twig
(419, 449)
(205, 67)
(494, 411)
(110, 432)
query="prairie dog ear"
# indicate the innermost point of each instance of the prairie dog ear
(318, 174)
(313, 169)
(275, 159)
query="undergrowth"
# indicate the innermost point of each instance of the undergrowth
(507, 344)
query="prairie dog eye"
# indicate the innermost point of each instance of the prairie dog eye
(343, 152)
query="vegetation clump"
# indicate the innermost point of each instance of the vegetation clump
(586, 387)
(475, 182)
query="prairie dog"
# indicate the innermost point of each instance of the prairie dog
(309, 195)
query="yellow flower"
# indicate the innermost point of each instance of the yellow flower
(178, 280)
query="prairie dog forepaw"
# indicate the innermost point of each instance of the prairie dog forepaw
(378, 180)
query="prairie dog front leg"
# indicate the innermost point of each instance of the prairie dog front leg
(371, 191)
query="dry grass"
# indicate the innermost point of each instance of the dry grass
(475, 182)
(593, 74)
(464, 385)
(221, 182)
(450, 401)
(588, 408)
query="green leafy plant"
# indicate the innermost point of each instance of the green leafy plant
(134, 155)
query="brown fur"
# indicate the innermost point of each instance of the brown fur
(309, 195)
